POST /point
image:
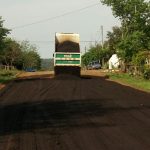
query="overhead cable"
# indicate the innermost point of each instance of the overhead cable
(55, 17)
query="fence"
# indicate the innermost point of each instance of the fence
(5, 67)
(136, 70)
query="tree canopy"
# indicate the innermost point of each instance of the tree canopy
(20, 55)
(132, 39)
(3, 33)
(135, 27)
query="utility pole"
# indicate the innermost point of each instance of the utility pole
(85, 49)
(135, 9)
(95, 43)
(102, 36)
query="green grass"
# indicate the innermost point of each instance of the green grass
(7, 75)
(136, 82)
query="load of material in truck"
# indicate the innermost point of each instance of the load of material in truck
(67, 57)
(67, 42)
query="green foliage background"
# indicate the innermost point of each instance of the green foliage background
(131, 41)
(20, 55)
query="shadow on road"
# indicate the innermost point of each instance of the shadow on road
(64, 113)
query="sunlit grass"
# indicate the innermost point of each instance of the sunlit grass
(137, 82)
(7, 75)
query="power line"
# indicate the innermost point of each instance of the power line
(85, 41)
(55, 17)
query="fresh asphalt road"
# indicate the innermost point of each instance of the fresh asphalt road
(69, 113)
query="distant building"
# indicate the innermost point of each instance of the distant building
(113, 62)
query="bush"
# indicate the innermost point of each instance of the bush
(7, 73)
(147, 73)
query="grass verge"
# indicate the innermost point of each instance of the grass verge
(136, 82)
(7, 75)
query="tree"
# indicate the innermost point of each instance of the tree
(141, 62)
(133, 14)
(30, 57)
(11, 52)
(131, 45)
(96, 53)
(3, 33)
(114, 38)
(140, 58)
(17, 54)
(31, 60)
(135, 20)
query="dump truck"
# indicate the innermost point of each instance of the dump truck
(67, 56)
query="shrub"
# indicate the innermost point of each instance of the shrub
(146, 73)
(7, 73)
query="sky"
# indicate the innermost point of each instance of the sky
(37, 21)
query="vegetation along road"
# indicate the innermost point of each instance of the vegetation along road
(40, 112)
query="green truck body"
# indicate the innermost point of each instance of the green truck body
(67, 56)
